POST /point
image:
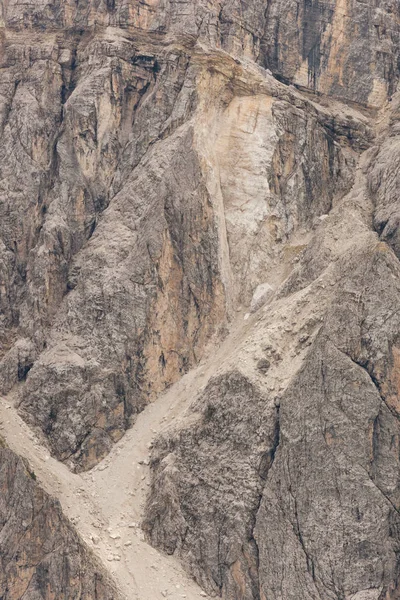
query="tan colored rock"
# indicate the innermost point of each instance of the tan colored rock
(304, 500)
(169, 183)
(159, 162)
(40, 552)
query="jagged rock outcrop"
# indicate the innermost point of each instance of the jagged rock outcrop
(41, 555)
(148, 188)
(345, 48)
(384, 181)
(159, 163)
(311, 505)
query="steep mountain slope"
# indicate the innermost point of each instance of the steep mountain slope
(213, 182)
(286, 483)
(106, 505)
(41, 555)
(148, 181)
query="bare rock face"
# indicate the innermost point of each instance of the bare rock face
(84, 154)
(41, 555)
(345, 48)
(287, 487)
(130, 312)
(384, 182)
(299, 494)
(160, 163)
(149, 184)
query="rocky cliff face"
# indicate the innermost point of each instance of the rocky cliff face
(284, 483)
(344, 48)
(41, 555)
(287, 487)
(149, 179)
(160, 163)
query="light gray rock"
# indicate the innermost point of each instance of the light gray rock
(384, 182)
(261, 295)
(123, 253)
(41, 554)
(346, 49)
(323, 521)
(160, 162)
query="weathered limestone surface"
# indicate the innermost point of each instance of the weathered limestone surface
(284, 482)
(345, 48)
(159, 162)
(149, 181)
(285, 485)
(41, 555)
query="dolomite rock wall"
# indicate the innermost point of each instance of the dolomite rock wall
(158, 162)
(283, 483)
(41, 555)
(148, 188)
(346, 48)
